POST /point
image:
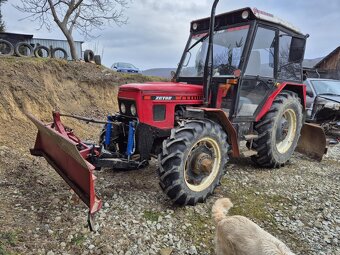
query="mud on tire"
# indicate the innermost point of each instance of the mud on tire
(270, 152)
(174, 159)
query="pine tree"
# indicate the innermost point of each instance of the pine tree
(2, 23)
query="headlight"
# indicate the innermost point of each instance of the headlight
(245, 15)
(194, 26)
(123, 108)
(133, 110)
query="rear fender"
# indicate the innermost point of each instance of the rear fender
(299, 89)
(220, 117)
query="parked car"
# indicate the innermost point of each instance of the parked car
(124, 68)
(323, 104)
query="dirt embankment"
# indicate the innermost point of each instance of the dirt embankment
(40, 86)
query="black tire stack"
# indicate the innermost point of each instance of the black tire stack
(6, 44)
(89, 57)
(23, 49)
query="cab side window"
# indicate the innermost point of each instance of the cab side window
(287, 71)
(261, 59)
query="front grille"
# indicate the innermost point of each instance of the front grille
(159, 112)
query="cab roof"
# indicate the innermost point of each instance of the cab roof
(235, 17)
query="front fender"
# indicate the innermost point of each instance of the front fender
(220, 117)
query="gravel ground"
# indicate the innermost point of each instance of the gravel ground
(39, 215)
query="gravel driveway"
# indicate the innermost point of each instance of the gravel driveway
(39, 215)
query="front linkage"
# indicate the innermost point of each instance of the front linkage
(75, 160)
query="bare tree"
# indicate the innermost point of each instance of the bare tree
(80, 15)
(2, 23)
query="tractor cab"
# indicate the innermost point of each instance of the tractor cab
(252, 53)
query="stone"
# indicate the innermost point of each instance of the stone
(192, 250)
(166, 251)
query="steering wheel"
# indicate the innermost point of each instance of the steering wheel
(226, 69)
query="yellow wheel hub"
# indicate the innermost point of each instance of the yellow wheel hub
(288, 131)
(202, 164)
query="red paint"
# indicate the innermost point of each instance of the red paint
(255, 10)
(237, 28)
(227, 126)
(198, 36)
(299, 87)
(222, 92)
(68, 157)
(183, 94)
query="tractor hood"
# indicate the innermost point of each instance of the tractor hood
(163, 87)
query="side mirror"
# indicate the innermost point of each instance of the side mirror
(309, 93)
(297, 50)
(173, 76)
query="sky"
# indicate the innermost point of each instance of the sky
(157, 30)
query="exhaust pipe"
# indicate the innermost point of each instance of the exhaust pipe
(207, 77)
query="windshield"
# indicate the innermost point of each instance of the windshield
(126, 65)
(227, 51)
(326, 86)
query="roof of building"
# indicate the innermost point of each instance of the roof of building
(310, 63)
(61, 40)
(16, 34)
(31, 37)
(327, 57)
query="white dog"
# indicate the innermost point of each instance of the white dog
(237, 235)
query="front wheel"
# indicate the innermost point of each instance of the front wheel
(193, 161)
(279, 131)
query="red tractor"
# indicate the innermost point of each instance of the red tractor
(239, 79)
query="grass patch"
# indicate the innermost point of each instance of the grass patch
(151, 215)
(7, 239)
(247, 202)
(200, 232)
(251, 203)
(2, 250)
(78, 240)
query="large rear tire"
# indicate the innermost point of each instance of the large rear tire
(278, 131)
(192, 161)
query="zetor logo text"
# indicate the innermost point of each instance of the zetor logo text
(163, 98)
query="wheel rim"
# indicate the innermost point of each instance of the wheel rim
(202, 164)
(286, 130)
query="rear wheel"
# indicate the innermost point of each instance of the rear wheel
(193, 161)
(279, 131)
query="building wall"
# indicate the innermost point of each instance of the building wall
(15, 38)
(330, 65)
(58, 44)
(331, 62)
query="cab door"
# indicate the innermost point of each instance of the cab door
(259, 76)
